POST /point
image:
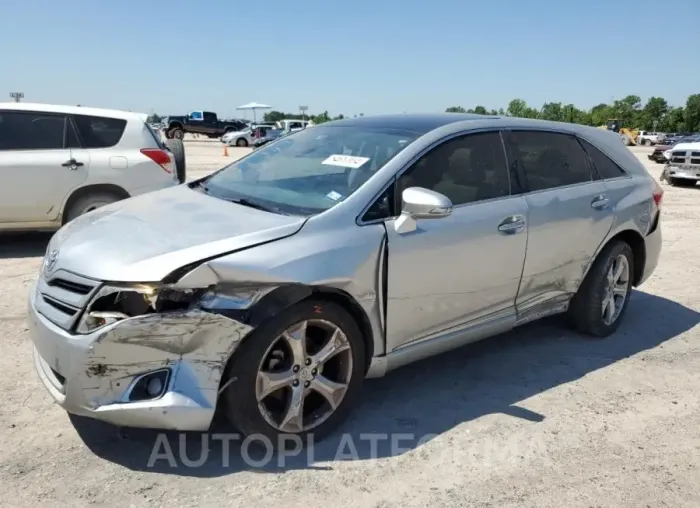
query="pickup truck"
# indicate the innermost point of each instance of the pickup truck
(199, 122)
(648, 138)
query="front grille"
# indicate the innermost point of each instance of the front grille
(62, 297)
(75, 287)
(58, 305)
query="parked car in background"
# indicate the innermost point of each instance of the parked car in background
(246, 136)
(648, 138)
(292, 125)
(199, 122)
(60, 162)
(683, 168)
(270, 135)
(335, 254)
(662, 151)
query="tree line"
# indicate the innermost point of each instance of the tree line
(655, 114)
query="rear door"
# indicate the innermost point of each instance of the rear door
(40, 162)
(569, 215)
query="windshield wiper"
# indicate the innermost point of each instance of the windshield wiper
(256, 205)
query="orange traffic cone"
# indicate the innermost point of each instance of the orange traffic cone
(225, 151)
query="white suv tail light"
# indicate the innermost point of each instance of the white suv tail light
(160, 157)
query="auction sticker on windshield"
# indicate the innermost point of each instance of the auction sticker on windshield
(346, 161)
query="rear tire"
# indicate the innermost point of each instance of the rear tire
(88, 203)
(587, 309)
(647, 142)
(626, 140)
(178, 148)
(254, 414)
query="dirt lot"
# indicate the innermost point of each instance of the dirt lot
(540, 417)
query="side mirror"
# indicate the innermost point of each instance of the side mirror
(420, 203)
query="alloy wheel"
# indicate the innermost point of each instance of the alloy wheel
(304, 376)
(616, 288)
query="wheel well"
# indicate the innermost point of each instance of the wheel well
(103, 188)
(356, 311)
(636, 242)
(175, 125)
(288, 295)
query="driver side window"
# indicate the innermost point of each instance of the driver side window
(466, 169)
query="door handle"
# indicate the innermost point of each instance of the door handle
(72, 164)
(600, 202)
(511, 225)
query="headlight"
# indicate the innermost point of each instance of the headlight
(667, 154)
(112, 304)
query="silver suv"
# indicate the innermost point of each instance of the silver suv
(277, 284)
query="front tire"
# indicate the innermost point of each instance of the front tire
(177, 133)
(241, 142)
(602, 298)
(296, 375)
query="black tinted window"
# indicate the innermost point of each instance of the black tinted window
(466, 169)
(99, 132)
(550, 159)
(31, 131)
(605, 166)
(209, 117)
(382, 208)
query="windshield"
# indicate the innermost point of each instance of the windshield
(310, 171)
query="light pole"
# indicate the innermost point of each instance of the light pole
(303, 110)
(17, 96)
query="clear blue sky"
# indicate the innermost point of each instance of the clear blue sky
(346, 56)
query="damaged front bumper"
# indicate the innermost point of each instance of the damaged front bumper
(99, 374)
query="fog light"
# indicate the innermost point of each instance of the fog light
(150, 386)
(154, 387)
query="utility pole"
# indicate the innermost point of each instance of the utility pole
(17, 96)
(303, 110)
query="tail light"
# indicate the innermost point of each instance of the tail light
(658, 194)
(160, 157)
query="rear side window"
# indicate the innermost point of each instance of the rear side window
(606, 167)
(550, 159)
(31, 131)
(99, 132)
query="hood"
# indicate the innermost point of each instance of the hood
(143, 239)
(687, 146)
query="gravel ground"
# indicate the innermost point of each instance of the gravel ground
(538, 417)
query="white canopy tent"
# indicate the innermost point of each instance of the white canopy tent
(254, 106)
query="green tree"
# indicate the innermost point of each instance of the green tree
(653, 113)
(455, 109)
(692, 113)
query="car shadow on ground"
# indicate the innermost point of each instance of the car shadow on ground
(23, 245)
(415, 402)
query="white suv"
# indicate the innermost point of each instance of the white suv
(59, 162)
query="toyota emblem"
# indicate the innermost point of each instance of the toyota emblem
(50, 261)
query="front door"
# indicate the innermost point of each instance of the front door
(36, 164)
(464, 267)
(569, 215)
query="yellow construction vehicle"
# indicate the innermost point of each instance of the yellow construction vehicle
(628, 136)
